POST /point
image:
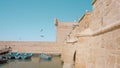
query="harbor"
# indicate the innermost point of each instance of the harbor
(11, 59)
(34, 62)
(84, 34)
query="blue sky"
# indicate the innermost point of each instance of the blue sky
(22, 20)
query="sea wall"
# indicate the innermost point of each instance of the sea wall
(33, 47)
(62, 30)
(97, 38)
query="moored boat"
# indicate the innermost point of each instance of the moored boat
(13, 55)
(29, 55)
(16, 55)
(44, 56)
(3, 60)
(25, 55)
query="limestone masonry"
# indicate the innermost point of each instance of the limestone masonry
(95, 41)
(92, 42)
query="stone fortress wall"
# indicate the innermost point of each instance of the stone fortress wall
(62, 30)
(95, 42)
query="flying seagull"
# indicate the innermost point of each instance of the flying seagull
(42, 36)
(41, 30)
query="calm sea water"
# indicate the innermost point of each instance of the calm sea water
(34, 62)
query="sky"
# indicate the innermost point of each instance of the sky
(33, 20)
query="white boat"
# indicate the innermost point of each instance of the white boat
(46, 57)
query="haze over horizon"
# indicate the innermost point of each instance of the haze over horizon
(33, 20)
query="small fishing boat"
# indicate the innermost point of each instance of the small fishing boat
(4, 55)
(17, 57)
(44, 56)
(3, 60)
(23, 57)
(26, 55)
(13, 55)
(29, 55)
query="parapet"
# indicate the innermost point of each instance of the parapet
(56, 22)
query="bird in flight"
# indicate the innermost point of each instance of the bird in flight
(41, 30)
(42, 36)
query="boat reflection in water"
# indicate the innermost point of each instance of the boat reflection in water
(34, 62)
